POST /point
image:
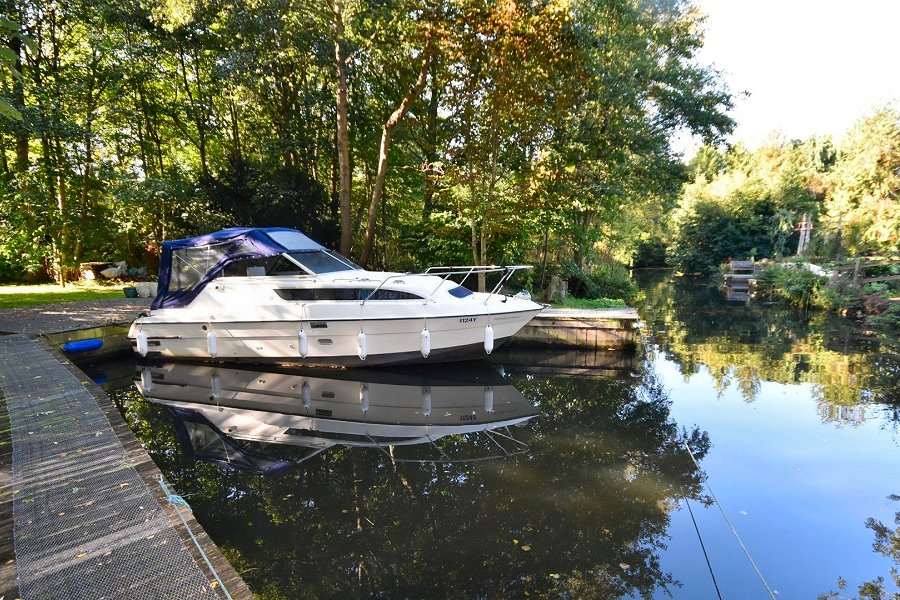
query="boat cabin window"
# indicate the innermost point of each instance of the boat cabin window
(320, 261)
(356, 294)
(257, 267)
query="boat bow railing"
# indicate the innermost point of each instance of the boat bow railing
(466, 271)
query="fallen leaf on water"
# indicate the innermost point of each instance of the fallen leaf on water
(515, 541)
(526, 548)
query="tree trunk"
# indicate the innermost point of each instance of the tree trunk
(18, 98)
(431, 142)
(343, 135)
(235, 132)
(386, 135)
(4, 165)
(62, 206)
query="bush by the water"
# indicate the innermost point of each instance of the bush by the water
(710, 233)
(650, 253)
(589, 303)
(795, 285)
(888, 321)
(603, 280)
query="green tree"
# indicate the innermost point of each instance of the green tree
(863, 205)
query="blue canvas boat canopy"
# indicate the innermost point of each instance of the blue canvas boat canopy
(187, 265)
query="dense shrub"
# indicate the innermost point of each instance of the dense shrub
(257, 195)
(604, 280)
(11, 273)
(797, 286)
(650, 253)
(711, 233)
(888, 321)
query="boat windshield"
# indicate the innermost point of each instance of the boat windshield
(319, 261)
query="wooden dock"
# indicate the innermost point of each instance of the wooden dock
(80, 499)
(599, 328)
(740, 279)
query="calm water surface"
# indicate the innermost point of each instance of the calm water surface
(534, 476)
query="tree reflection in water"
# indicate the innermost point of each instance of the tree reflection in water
(744, 345)
(584, 513)
(854, 375)
(887, 543)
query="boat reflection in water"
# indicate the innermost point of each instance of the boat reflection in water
(222, 413)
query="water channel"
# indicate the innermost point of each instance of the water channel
(497, 480)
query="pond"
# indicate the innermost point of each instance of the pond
(521, 477)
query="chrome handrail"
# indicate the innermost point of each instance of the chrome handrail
(466, 270)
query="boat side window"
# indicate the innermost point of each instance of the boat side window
(256, 267)
(189, 265)
(355, 294)
(320, 261)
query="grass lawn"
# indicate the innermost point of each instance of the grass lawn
(571, 302)
(13, 296)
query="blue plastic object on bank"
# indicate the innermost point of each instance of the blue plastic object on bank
(82, 345)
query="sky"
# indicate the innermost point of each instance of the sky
(809, 67)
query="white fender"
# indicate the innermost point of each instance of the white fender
(307, 395)
(142, 346)
(488, 339)
(426, 343)
(215, 384)
(146, 380)
(303, 342)
(426, 400)
(489, 399)
(364, 398)
(212, 344)
(363, 349)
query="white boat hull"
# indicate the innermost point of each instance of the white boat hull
(331, 342)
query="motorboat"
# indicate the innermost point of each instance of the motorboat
(319, 408)
(273, 295)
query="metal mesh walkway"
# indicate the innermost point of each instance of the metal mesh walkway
(85, 523)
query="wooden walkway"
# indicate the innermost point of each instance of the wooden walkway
(79, 497)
